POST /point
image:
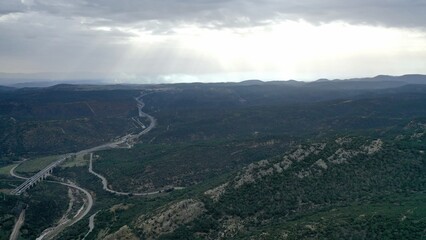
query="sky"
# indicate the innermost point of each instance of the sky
(145, 41)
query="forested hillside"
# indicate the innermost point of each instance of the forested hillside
(250, 160)
(51, 121)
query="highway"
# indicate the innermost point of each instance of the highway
(152, 124)
(18, 225)
(53, 231)
(129, 139)
(152, 120)
(88, 204)
(37, 177)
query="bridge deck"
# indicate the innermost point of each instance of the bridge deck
(37, 177)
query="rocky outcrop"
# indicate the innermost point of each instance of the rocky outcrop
(216, 192)
(321, 162)
(343, 155)
(170, 218)
(263, 168)
(373, 147)
(230, 226)
(124, 233)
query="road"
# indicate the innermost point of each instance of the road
(51, 232)
(91, 224)
(88, 204)
(152, 120)
(106, 187)
(129, 138)
(152, 124)
(21, 219)
(29, 182)
(18, 225)
(126, 139)
(13, 174)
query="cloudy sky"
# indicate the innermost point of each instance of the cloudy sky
(212, 40)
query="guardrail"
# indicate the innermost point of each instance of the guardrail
(37, 177)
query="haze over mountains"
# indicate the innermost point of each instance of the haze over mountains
(10, 81)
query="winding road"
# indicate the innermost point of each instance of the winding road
(13, 174)
(105, 183)
(88, 204)
(152, 124)
(127, 139)
(53, 231)
(42, 174)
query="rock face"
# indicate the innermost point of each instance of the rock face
(230, 226)
(343, 155)
(170, 218)
(343, 140)
(374, 147)
(263, 168)
(124, 233)
(322, 164)
(216, 192)
(258, 170)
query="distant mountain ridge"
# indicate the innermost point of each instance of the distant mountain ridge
(377, 82)
(6, 89)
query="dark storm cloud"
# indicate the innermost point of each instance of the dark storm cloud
(94, 35)
(229, 13)
(77, 20)
(10, 6)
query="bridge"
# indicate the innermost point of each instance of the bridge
(129, 138)
(38, 176)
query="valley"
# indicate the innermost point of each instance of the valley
(250, 160)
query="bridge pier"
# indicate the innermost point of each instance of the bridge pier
(40, 176)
